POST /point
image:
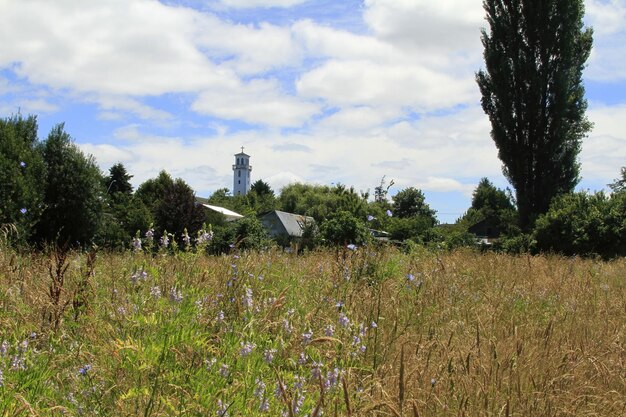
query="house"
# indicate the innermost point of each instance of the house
(486, 230)
(286, 228)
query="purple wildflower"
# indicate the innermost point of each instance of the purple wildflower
(268, 355)
(137, 244)
(351, 246)
(1, 379)
(370, 218)
(22, 164)
(23, 210)
(329, 330)
(224, 370)
(306, 337)
(247, 299)
(155, 292)
(176, 295)
(389, 213)
(83, 370)
(246, 349)
(344, 320)
(4, 347)
(373, 325)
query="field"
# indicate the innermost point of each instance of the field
(366, 332)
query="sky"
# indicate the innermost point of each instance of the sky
(317, 91)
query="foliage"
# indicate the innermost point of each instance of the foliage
(124, 216)
(73, 199)
(152, 191)
(321, 202)
(532, 92)
(243, 234)
(22, 175)
(494, 205)
(411, 202)
(584, 224)
(118, 180)
(177, 210)
(343, 228)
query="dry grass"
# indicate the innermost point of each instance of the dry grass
(471, 334)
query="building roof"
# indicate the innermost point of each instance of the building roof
(293, 224)
(229, 214)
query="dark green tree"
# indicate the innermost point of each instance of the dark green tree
(343, 228)
(118, 180)
(532, 92)
(22, 175)
(151, 191)
(261, 188)
(73, 202)
(178, 210)
(411, 202)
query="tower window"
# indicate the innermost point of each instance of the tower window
(239, 182)
(239, 174)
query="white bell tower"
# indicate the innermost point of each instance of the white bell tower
(241, 173)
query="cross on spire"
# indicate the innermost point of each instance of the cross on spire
(242, 149)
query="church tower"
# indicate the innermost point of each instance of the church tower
(241, 173)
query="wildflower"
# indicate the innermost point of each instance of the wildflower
(306, 337)
(332, 377)
(209, 363)
(165, 240)
(389, 213)
(259, 389)
(23, 210)
(121, 311)
(4, 347)
(287, 326)
(220, 316)
(339, 304)
(363, 348)
(433, 382)
(246, 349)
(222, 409)
(247, 299)
(316, 370)
(1, 379)
(329, 330)
(268, 355)
(23, 346)
(302, 358)
(84, 369)
(373, 325)
(18, 362)
(297, 403)
(264, 406)
(370, 218)
(344, 320)
(410, 277)
(137, 244)
(23, 164)
(362, 330)
(204, 237)
(176, 295)
(186, 238)
(224, 370)
(155, 292)
(150, 235)
(356, 340)
(351, 246)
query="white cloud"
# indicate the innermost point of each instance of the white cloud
(604, 151)
(258, 102)
(441, 184)
(443, 25)
(245, 4)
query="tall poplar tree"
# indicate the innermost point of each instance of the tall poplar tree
(532, 91)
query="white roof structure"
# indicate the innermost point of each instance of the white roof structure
(230, 215)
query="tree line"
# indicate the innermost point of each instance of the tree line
(52, 193)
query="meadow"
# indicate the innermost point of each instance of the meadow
(373, 331)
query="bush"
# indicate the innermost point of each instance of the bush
(584, 224)
(343, 228)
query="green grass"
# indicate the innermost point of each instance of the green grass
(470, 334)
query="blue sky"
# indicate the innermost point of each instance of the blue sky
(319, 91)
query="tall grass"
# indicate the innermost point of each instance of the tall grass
(369, 332)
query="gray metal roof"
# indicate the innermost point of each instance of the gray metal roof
(293, 224)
